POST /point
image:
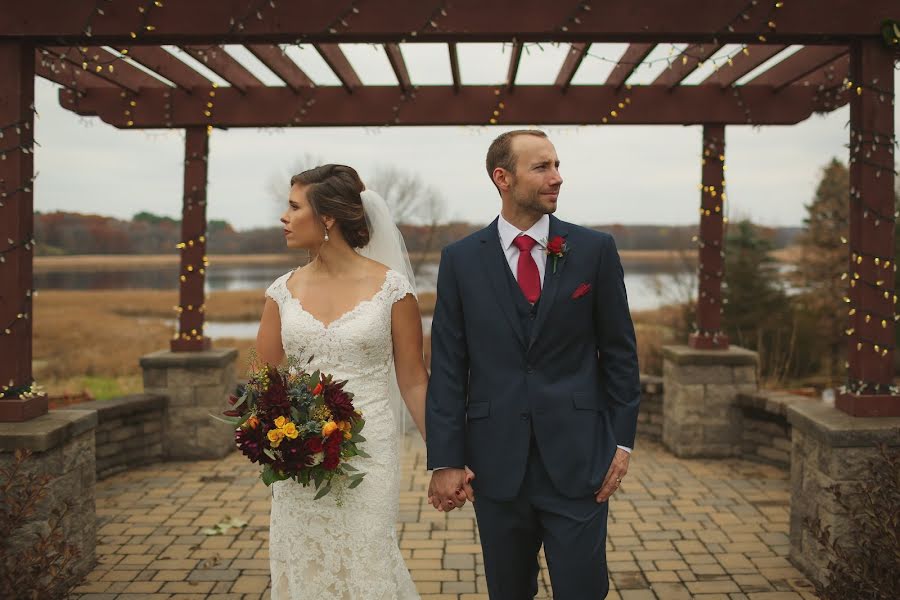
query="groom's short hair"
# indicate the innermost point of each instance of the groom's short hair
(500, 153)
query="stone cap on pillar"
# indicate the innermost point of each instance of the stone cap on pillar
(166, 359)
(733, 356)
(47, 431)
(838, 429)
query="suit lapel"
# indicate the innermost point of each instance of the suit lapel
(496, 265)
(551, 280)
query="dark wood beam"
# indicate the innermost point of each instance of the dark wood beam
(395, 56)
(454, 65)
(685, 63)
(98, 61)
(160, 61)
(742, 64)
(631, 59)
(513, 68)
(471, 105)
(52, 68)
(217, 60)
(320, 21)
(798, 65)
(279, 63)
(338, 63)
(570, 65)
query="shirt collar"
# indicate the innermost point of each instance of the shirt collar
(540, 231)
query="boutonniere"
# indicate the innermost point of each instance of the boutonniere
(557, 247)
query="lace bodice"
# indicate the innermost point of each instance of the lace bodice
(356, 345)
(318, 549)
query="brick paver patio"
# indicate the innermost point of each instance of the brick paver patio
(678, 529)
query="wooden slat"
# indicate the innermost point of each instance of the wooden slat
(123, 74)
(683, 65)
(338, 63)
(224, 65)
(395, 56)
(570, 65)
(514, 60)
(742, 64)
(158, 60)
(454, 65)
(279, 63)
(70, 76)
(830, 75)
(631, 59)
(798, 65)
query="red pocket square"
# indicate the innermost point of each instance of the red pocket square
(581, 290)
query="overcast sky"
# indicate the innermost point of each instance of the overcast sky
(612, 174)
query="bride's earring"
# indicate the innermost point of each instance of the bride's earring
(326, 234)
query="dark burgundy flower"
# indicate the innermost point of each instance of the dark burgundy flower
(274, 402)
(250, 443)
(333, 450)
(339, 402)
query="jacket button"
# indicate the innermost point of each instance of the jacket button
(525, 416)
(529, 370)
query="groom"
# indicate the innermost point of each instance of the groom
(534, 382)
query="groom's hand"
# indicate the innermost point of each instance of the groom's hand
(614, 476)
(450, 488)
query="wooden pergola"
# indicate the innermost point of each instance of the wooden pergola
(110, 58)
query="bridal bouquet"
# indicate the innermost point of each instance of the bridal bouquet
(297, 425)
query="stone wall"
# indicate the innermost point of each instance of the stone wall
(197, 385)
(129, 431)
(700, 413)
(650, 416)
(829, 448)
(765, 430)
(62, 443)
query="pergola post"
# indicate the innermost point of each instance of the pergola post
(870, 297)
(711, 247)
(191, 307)
(16, 232)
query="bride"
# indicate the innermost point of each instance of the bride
(354, 312)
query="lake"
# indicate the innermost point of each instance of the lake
(641, 280)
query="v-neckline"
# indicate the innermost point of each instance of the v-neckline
(330, 324)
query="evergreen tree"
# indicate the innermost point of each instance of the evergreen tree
(823, 259)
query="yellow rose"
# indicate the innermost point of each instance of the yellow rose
(347, 435)
(290, 431)
(344, 426)
(280, 421)
(275, 436)
(329, 428)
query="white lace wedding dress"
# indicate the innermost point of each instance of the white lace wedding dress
(316, 548)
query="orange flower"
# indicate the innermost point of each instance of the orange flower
(329, 428)
(317, 390)
(253, 422)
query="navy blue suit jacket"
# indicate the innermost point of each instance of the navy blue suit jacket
(576, 383)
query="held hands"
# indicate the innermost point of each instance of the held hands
(614, 476)
(450, 488)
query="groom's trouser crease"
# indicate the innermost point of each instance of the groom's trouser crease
(573, 532)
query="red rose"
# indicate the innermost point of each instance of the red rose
(555, 245)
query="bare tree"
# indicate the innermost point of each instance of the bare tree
(412, 202)
(279, 183)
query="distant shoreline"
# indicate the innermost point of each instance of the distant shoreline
(124, 262)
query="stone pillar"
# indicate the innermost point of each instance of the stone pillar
(829, 447)
(197, 385)
(62, 446)
(701, 416)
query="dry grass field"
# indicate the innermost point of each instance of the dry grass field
(92, 340)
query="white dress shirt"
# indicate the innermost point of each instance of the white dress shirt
(540, 232)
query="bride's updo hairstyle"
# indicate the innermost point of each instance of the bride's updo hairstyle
(333, 190)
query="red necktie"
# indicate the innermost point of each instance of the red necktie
(527, 271)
